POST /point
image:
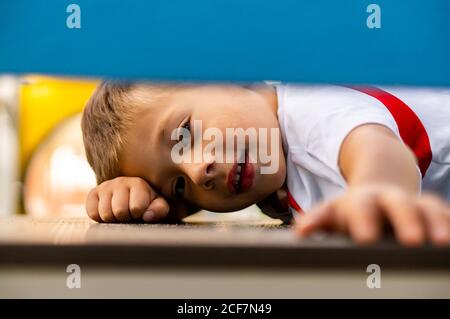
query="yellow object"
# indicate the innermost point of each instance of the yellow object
(45, 102)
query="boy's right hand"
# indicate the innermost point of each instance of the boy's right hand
(125, 199)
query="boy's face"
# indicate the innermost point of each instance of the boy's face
(221, 182)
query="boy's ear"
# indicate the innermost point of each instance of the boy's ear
(179, 210)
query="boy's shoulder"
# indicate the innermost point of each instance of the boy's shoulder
(319, 110)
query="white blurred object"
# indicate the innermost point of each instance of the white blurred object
(251, 215)
(9, 96)
(58, 176)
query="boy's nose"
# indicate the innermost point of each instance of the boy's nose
(201, 174)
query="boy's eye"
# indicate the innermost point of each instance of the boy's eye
(179, 187)
(187, 126)
(185, 137)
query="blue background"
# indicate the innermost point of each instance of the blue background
(237, 40)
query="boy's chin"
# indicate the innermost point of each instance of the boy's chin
(276, 206)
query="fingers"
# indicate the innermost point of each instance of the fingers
(157, 210)
(404, 215)
(147, 205)
(364, 220)
(92, 205)
(319, 218)
(105, 209)
(124, 199)
(436, 214)
(139, 201)
(119, 205)
(362, 213)
(360, 217)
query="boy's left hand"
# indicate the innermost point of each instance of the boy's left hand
(362, 211)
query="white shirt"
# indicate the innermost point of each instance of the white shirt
(315, 120)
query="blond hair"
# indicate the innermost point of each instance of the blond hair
(109, 112)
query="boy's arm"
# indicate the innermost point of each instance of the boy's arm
(383, 184)
(372, 153)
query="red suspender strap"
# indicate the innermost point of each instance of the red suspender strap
(409, 125)
(293, 203)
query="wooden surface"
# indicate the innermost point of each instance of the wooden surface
(28, 240)
(206, 261)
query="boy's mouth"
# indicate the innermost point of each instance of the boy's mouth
(240, 177)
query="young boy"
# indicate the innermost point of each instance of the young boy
(352, 159)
